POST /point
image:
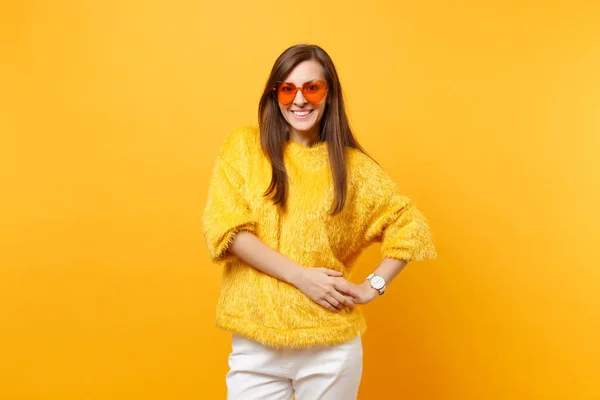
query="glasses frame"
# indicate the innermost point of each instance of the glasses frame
(299, 88)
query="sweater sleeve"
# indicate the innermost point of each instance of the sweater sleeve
(395, 221)
(227, 210)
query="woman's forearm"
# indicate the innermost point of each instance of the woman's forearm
(324, 286)
(253, 251)
(389, 268)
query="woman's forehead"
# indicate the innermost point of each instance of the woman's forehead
(306, 71)
(301, 82)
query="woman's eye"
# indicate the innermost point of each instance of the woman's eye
(313, 88)
(286, 89)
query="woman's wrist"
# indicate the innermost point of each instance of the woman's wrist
(294, 274)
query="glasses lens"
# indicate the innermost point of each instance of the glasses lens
(286, 92)
(314, 91)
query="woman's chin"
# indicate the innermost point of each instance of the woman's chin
(302, 126)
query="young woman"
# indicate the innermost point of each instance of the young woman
(290, 207)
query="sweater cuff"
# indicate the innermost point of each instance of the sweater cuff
(220, 252)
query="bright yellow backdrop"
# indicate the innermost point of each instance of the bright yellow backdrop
(111, 115)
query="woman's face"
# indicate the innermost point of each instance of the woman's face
(295, 113)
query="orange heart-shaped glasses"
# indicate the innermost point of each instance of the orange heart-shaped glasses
(314, 91)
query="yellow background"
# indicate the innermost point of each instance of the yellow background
(111, 114)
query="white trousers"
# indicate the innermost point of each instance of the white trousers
(258, 372)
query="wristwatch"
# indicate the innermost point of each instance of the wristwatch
(377, 282)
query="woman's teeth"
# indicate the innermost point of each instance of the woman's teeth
(302, 113)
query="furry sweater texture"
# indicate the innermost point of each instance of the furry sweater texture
(268, 310)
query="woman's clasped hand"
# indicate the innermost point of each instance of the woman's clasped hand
(330, 290)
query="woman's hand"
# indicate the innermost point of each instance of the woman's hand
(363, 292)
(326, 287)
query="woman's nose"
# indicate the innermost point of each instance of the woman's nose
(299, 99)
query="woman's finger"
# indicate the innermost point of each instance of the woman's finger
(344, 287)
(332, 272)
(344, 300)
(334, 302)
(328, 306)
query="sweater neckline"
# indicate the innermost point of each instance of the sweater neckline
(315, 146)
(314, 156)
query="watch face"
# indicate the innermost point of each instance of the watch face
(377, 282)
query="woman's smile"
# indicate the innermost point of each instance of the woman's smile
(302, 114)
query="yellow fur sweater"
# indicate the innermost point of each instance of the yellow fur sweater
(271, 311)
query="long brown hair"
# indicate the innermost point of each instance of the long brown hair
(335, 129)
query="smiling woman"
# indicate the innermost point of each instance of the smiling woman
(290, 206)
(282, 119)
